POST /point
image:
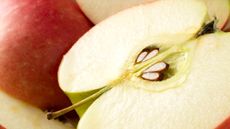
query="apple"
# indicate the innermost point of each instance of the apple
(1, 127)
(221, 10)
(144, 68)
(227, 26)
(34, 35)
(16, 114)
(70, 72)
(225, 124)
(98, 11)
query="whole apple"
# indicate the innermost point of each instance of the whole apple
(34, 35)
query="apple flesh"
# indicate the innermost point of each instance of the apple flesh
(34, 35)
(15, 114)
(219, 9)
(200, 102)
(98, 11)
(194, 92)
(76, 83)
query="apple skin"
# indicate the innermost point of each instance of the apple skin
(1, 127)
(227, 25)
(34, 35)
(225, 124)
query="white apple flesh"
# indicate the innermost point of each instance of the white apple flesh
(221, 10)
(195, 92)
(98, 11)
(16, 114)
(76, 74)
(202, 102)
(128, 40)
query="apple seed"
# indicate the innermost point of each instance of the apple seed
(155, 72)
(151, 54)
(158, 67)
(141, 56)
(152, 76)
(146, 54)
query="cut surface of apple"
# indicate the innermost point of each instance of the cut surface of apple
(115, 43)
(122, 31)
(98, 11)
(201, 102)
(15, 114)
(154, 70)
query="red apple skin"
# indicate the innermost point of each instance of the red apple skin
(34, 35)
(1, 127)
(225, 124)
(226, 27)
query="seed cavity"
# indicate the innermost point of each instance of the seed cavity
(157, 70)
(147, 54)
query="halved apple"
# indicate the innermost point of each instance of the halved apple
(98, 11)
(113, 43)
(153, 70)
(15, 114)
(200, 102)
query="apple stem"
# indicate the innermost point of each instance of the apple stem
(53, 115)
